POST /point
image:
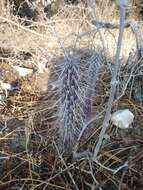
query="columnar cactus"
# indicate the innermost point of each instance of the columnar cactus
(70, 119)
(94, 64)
(75, 99)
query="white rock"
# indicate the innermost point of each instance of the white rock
(22, 70)
(122, 118)
(1, 99)
(5, 86)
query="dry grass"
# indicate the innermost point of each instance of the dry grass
(29, 156)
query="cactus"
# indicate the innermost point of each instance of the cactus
(69, 106)
(75, 100)
(94, 63)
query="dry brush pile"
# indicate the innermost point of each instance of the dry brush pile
(51, 118)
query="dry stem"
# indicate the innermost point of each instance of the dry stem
(113, 83)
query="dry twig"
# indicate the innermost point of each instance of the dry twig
(114, 82)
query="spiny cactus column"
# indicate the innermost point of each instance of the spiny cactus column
(70, 117)
(75, 99)
(94, 63)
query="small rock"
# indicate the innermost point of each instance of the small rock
(5, 86)
(122, 118)
(23, 71)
